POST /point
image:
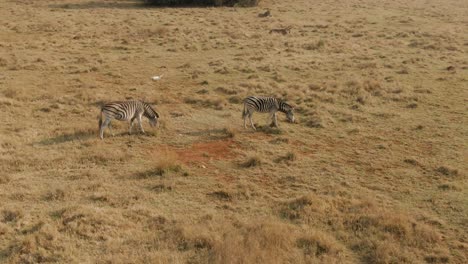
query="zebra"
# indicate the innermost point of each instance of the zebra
(266, 105)
(126, 111)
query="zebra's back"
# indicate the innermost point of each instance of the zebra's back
(261, 104)
(123, 110)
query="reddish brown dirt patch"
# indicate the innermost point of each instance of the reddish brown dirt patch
(214, 150)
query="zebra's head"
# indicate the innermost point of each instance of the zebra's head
(288, 110)
(151, 115)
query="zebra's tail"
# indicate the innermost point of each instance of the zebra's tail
(100, 120)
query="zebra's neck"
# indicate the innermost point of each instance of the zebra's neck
(149, 114)
(282, 106)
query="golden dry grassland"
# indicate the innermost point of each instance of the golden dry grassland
(373, 172)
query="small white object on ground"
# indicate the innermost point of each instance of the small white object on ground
(157, 78)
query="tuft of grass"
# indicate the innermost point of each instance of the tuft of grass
(235, 99)
(229, 132)
(270, 130)
(314, 45)
(449, 187)
(161, 188)
(289, 157)
(165, 163)
(412, 162)
(447, 171)
(43, 245)
(56, 195)
(252, 162)
(10, 93)
(221, 195)
(314, 122)
(217, 104)
(265, 242)
(12, 215)
(316, 244)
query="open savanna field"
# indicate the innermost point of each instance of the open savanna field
(373, 171)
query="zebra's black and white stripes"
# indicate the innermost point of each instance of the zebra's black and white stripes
(266, 105)
(126, 111)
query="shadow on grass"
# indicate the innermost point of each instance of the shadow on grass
(212, 134)
(78, 135)
(88, 134)
(135, 4)
(160, 171)
(270, 130)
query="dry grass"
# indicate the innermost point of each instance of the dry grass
(374, 171)
(251, 162)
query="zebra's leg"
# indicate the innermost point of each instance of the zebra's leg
(244, 115)
(275, 116)
(110, 129)
(140, 124)
(103, 126)
(130, 125)
(251, 122)
(271, 119)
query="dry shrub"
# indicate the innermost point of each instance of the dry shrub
(226, 91)
(162, 187)
(314, 45)
(168, 162)
(440, 256)
(56, 195)
(303, 208)
(365, 222)
(317, 118)
(229, 132)
(355, 91)
(449, 187)
(290, 156)
(11, 93)
(217, 104)
(222, 195)
(314, 122)
(373, 87)
(90, 223)
(362, 91)
(165, 162)
(385, 252)
(401, 227)
(191, 237)
(159, 31)
(267, 242)
(447, 171)
(4, 229)
(252, 162)
(318, 245)
(4, 179)
(11, 215)
(44, 245)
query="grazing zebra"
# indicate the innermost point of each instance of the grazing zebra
(266, 105)
(126, 111)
